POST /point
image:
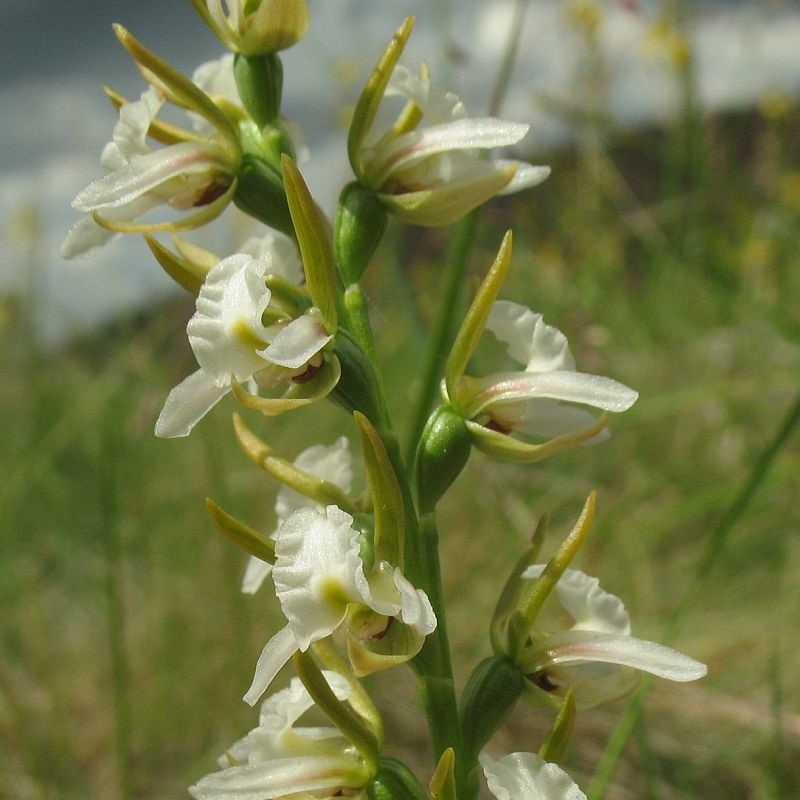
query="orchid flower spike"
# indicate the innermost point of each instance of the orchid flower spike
(238, 337)
(323, 585)
(332, 464)
(596, 655)
(525, 776)
(542, 400)
(194, 173)
(278, 759)
(432, 174)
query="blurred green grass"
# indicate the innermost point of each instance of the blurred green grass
(670, 258)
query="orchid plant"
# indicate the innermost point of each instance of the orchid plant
(284, 323)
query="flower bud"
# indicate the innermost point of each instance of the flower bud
(443, 452)
(259, 80)
(360, 224)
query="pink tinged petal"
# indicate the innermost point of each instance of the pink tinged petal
(298, 342)
(147, 172)
(525, 776)
(187, 404)
(277, 651)
(591, 608)
(572, 387)
(583, 647)
(317, 567)
(256, 573)
(540, 347)
(463, 134)
(307, 775)
(526, 176)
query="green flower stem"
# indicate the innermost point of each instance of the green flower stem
(355, 303)
(444, 331)
(433, 664)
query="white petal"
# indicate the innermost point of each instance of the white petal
(436, 105)
(331, 463)
(581, 647)
(145, 173)
(226, 329)
(591, 608)
(298, 342)
(315, 574)
(525, 776)
(130, 132)
(84, 237)
(277, 651)
(187, 404)
(281, 255)
(545, 418)
(526, 176)
(256, 573)
(540, 347)
(415, 607)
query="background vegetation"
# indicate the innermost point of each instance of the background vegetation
(671, 258)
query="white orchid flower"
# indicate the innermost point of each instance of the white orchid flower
(232, 343)
(193, 173)
(541, 399)
(321, 583)
(255, 27)
(333, 464)
(436, 173)
(596, 656)
(277, 759)
(525, 776)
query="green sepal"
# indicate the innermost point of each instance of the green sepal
(260, 193)
(372, 94)
(358, 229)
(555, 745)
(314, 243)
(472, 327)
(352, 725)
(395, 781)
(443, 451)
(443, 780)
(242, 535)
(387, 498)
(514, 586)
(488, 698)
(259, 80)
(523, 619)
(260, 453)
(177, 87)
(507, 448)
(357, 389)
(178, 268)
